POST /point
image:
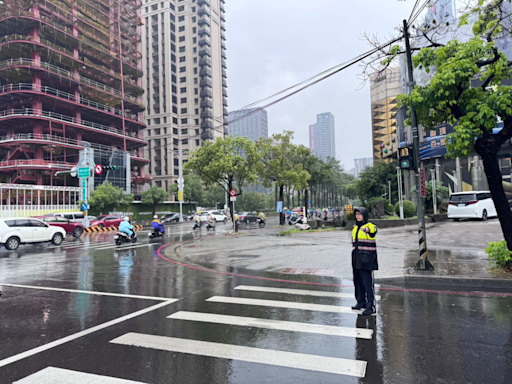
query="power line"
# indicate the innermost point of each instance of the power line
(413, 9)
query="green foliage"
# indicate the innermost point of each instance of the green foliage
(373, 182)
(106, 198)
(153, 196)
(351, 216)
(389, 208)
(499, 254)
(409, 209)
(250, 201)
(213, 196)
(192, 189)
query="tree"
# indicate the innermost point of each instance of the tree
(373, 181)
(214, 195)
(192, 189)
(106, 198)
(467, 90)
(251, 201)
(154, 196)
(226, 162)
(441, 191)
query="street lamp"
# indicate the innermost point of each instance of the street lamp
(178, 153)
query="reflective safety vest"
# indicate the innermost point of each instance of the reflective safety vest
(364, 248)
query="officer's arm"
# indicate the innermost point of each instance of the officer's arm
(373, 230)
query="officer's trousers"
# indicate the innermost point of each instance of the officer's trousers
(363, 282)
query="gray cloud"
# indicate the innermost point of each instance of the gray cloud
(273, 44)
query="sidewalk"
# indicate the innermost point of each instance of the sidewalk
(455, 249)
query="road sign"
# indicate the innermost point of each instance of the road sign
(422, 181)
(180, 195)
(232, 193)
(85, 207)
(279, 206)
(73, 173)
(349, 209)
(84, 189)
(84, 172)
(98, 169)
(232, 198)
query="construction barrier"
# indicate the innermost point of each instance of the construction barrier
(96, 229)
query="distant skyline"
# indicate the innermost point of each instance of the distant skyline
(297, 41)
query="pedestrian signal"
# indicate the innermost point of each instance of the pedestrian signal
(406, 156)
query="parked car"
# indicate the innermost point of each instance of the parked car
(171, 218)
(107, 221)
(75, 229)
(219, 216)
(247, 217)
(74, 217)
(471, 205)
(16, 231)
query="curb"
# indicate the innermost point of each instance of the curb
(462, 282)
(109, 229)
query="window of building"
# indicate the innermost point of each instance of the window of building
(183, 100)
(173, 47)
(183, 79)
(182, 38)
(176, 172)
(182, 49)
(194, 30)
(196, 101)
(197, 123)
(181, 18)
(183, 69)
(195, 71)
(173, 27)
(174, 110)
(194, 19)
(196, 91)
(197, 111)
(175, 131)
(174, 89)
(184, 121)
(154, 7)
(184, 142)
(181, 8)
(198, 142)
(197, 132)
(182, 59)
(194, 40)
(194, 50)
(173, 78)
(184, 131)
(183, 90)
(195, 80)
(173, 57)
(181, 29)
(157, 121)
(175, 141)
(195, 60)
(183, 110)
(175, 120)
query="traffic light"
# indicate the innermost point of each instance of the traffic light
(406, 156)
(110, 167)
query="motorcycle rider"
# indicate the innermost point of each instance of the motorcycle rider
(126, 227)
(210, 220)
(157, 224)
(197, 220)
(262, 217)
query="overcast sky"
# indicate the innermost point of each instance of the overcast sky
(273, 44)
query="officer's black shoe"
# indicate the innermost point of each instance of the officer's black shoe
(358, 306)
(368, 312)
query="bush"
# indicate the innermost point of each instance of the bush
(409, 209)
(351, 216)
(390, 210)
(499, 254)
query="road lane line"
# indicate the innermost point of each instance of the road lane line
(297, 291)
(63, 376)
(83, 333)
(121, 247)
(283, 304)
(361, 333)
(89, 292)
(317, 363)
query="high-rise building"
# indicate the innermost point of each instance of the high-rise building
(384, 88)
(312, 138)
(361, 164)
(184, 62)
(324, 136)
(251, 123)
(70, 73)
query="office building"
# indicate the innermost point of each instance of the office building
(361, 164)
(384, 88)
(184, 63)
(251, 123)
(70, 74)
(312, 138)
(324, 136)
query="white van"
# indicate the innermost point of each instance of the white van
(471, 205)
(74, 217)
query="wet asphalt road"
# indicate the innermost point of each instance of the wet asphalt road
(106, 313)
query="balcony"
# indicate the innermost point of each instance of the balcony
(205, 51)
(205, 61)
(222, 35)
(206, 93)
(207, 125)
(225, 92)
(223, 54)
(206, 104)
(225, 102)
(223, 44)
(206, 82)
(224, 83)
(205, 72)
(226, 113)
(205, 41)
(222, 17)
(207, 114)
(203, 20)
(222, 9)
(224, 74)
(203, 2)
(205, 30)
(204, 10)
(223, 61)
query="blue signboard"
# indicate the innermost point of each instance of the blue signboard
(279, 206)
(85, 207)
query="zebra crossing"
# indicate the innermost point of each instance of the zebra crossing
(99, 246)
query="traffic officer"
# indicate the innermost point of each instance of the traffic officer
(364, 261)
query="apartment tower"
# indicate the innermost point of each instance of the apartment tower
(70, 72)
(324, 136)
(184, 61)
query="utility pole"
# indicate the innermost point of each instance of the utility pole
(434, 196)
(423, 263)
(181, 181)
(400, 194)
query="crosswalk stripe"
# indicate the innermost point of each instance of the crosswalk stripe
(297, 291)
(84, 245)
(124, 246)
(65, 376)
(283, 304)
(273, 324)
(317, 363)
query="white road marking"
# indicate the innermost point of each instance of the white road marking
(283, 304)
(52, 375)
(124, 246)
(273, 324)
(85, 332)
(334, 365)
(297, 291)
(89, 292)
(85, 245)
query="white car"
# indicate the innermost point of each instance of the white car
(219, 216)
(16, 231)
(471, 205)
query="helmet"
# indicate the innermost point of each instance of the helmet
(155, 217)
(126, 218)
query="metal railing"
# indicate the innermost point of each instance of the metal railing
(70, 75)
(66, 119)
(33, 162)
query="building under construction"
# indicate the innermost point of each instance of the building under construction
(70, 72)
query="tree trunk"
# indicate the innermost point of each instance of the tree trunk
(275, 193)
(281, 215)
(306, 199)
(495, 181)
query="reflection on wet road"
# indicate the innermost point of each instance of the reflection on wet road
(111, 313)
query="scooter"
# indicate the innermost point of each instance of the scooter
(122, 237)
(261, 221)
(196, 225)
(155, 232)
(209, 226)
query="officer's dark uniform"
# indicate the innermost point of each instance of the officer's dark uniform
(364, 262)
